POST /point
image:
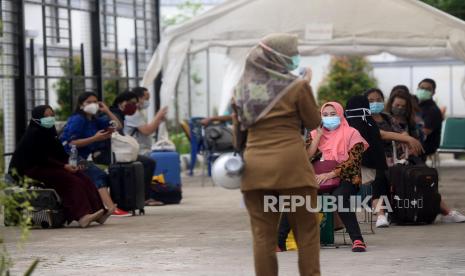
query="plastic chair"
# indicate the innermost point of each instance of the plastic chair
(186, 128)
(212, 152)
(327, 222)
(199, 146)
(365, 191)
(453, 131)
(196, 140)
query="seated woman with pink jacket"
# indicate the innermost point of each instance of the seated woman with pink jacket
(337, 141)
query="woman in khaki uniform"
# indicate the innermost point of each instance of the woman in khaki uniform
(272, 105)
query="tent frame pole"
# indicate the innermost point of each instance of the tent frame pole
(189, 85)
(411, 76)
(208, 81)
(451, 89)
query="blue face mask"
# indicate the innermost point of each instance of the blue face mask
(376, 107)
(295, 63)
(46, 122)
(332, 122)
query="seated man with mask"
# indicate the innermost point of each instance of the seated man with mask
(138, 126)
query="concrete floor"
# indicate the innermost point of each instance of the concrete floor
(208, 234)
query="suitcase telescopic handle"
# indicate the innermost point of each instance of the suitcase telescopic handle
(394, 154)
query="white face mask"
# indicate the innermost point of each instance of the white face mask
(91, 109)
(145, 105)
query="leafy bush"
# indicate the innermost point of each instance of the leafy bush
(69, 83)
(16, 207)
(348, 76)
(65, 85)
(454, 7)
(181, 142)
(185, 11)
(112, 86)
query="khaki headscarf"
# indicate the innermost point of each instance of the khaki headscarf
(266, 77)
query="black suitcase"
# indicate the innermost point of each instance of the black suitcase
(127, 187)
(47, 209)
(415, 197)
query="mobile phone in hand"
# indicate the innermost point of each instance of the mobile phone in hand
(83, 164)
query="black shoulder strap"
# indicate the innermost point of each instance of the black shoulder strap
(240, 136)
(134, 131)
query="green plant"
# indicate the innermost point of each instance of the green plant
(178, 137)
(16, 208)
(186, 11)
(65, 86)
(112, 85)
(197, 80)
(181, 142)
(348, 76)
(453, 7)
(195, 77)
(73, 81)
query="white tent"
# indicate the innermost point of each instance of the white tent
(405, 28)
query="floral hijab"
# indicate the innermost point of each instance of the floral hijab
(266, 78)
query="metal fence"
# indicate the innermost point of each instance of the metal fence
(52, 50)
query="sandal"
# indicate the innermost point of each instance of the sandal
(153, 202)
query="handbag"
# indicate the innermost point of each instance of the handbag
(164, 145)
(125, 148)
(163, 140)
(326, 166)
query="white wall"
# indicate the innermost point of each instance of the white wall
(449, 79)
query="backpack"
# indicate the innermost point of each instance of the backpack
(219, 138)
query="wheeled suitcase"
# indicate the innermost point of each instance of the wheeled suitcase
(127, 186)
(167, 186)
(47, 209)
(415, 197)
(168, 164)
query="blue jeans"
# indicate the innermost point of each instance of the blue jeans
(97, 175)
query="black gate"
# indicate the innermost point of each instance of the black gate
(53, 50)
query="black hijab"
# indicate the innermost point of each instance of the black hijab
(38, 146)
(373, 157)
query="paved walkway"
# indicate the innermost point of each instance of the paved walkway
(208, 234)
